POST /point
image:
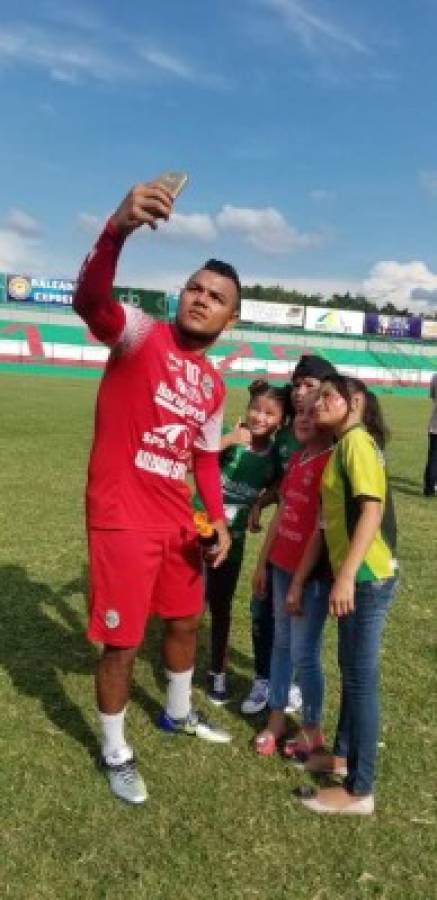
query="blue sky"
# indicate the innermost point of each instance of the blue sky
(308, 129)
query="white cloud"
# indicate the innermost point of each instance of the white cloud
(20, 246)
(169, 64)
(403, 284)
(197, 226)
(63, 56)
(429, 182)
(89, 223)
(22, 224)
(320, 195)
(18, 253)
(74, 48)
(266, 229)
(312, 30)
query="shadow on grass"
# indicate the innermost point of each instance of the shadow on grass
(401, 485)
(37, 645)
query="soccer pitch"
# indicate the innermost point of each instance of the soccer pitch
(220, 822)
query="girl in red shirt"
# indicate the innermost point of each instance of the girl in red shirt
(290, 529)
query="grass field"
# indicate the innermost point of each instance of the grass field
(220, 823)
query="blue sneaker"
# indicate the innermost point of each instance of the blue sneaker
(194, 725)
(217, 691)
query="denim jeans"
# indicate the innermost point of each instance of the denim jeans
(359, 639)
(307, 634)
(261, 613)
(282, 664)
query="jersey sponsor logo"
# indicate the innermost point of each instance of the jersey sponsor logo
(192, 372)
(174, 434)
(160, 465)
(168, 398)
(207, 386)
(187, 390)
(174, 363)
(173, 438)
(239, 489)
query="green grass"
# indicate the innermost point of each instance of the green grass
(220, 823)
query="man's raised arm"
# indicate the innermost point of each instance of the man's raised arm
(93, 300)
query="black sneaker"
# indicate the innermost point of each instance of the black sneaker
(216, 691)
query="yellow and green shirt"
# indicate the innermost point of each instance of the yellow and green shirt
(356, 469)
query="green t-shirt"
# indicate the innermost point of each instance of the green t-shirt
(356, 468)
(285, 444)
(244, 473)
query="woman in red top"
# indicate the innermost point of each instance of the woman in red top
(289, 532)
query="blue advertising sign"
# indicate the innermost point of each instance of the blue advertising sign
(393, 326)
(24, 288)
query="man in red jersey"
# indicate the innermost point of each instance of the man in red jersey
(159, 406)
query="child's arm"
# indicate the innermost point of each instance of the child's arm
(266, 498)
(310, 558)
(238, 436)
(259, 576)
(341, 599)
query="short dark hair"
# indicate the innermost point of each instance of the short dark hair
(227, 271)
(312, 366)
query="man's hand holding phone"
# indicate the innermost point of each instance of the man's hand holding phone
(146, 203)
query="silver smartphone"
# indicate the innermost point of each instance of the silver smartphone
(174, 182)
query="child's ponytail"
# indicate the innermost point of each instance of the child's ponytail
(373, 419)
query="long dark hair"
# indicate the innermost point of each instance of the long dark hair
(373, 419)
(262, 388)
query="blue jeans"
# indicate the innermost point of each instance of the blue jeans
(285, 649)
(307, 634)
(359, 639)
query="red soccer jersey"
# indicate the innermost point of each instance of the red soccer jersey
(299, 492)
(157, 404)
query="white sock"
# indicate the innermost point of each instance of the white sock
(178, 702)
(115, 750)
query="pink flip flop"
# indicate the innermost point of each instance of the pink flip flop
(301, 748)
(265, 743)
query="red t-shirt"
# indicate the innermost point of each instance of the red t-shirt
(158, 404)
(299, 492)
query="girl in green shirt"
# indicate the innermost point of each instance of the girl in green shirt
(248, 464)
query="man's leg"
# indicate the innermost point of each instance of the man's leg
(113, 680)
(178, 655)
(123, 569)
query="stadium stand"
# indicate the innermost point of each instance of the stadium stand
(57, 340)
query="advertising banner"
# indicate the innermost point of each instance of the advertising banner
(3, 287)
(59, 291)
(24, 288)
(429, 329)
(264, 313)
(152, 302)
(342, 321)
(393, 326)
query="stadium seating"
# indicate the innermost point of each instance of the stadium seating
(58, 339)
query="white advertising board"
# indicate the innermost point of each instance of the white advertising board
(429, 329)
(264, 313)
(342, 321)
